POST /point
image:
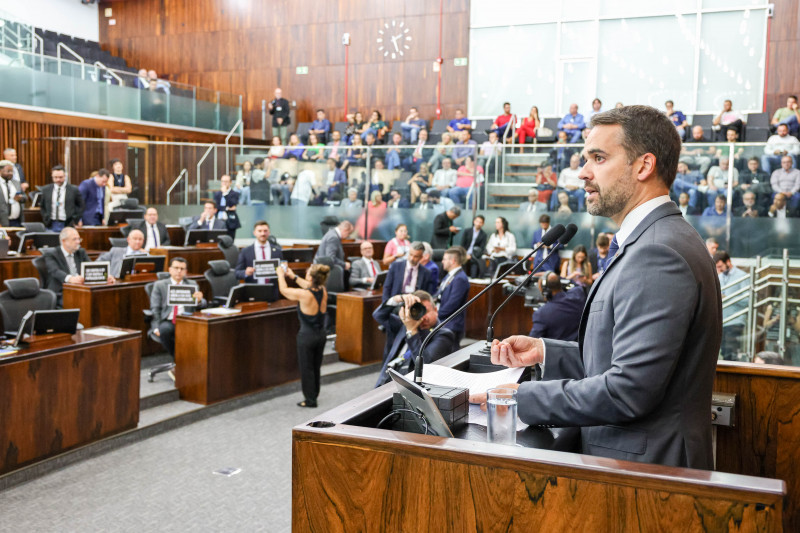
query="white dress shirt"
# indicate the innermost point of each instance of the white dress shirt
(9, 188)
(152, 239)
(635, 217)
(59, 211)
(412, 284)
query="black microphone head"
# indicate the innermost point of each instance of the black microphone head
(553, 234)
(569, 233)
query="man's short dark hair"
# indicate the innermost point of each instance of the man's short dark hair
(261, 223)
(646, 130)
(544, 218)
(424, 296)
(178, 260)
(793, 96)
(757, 160)
(103, 172)
(552, 281)
(721, 255)
(670, 102)
(258, 161)
(602, 240)
(720, 196)
(458, 252)
(58, 167)
(113, 162)
(480, 217)
(506, 103)
(320, 110)
(212, 202)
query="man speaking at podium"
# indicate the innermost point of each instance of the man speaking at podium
(638, 381)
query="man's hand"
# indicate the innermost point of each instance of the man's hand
(111, 280)
(347, 265)
(517, 351)
(410, 324)
(197, 295)
(76, 279)
(480, 397)
(249, 271)
(453, 229)
(156, 332)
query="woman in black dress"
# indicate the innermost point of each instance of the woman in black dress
(312, 298)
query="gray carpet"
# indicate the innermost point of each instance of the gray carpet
(166, 483)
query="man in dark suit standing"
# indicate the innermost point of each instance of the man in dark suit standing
(62, 203)
(406, 276)
(554, 261)
(453, 292)
(63, 264)
(93, 191)
(404, 335)
(638, 382)
(474, 241)
(11, 196)
(208, 219)
(155, 232)
(262, 249)
(443, 228)
(560, 317)
(331, 244)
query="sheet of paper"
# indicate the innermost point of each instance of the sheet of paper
(221, 311)
(442, 375)
(104, 332)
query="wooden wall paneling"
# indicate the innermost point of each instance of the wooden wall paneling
(783, 75)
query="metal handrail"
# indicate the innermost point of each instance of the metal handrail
(230, 133)
(113, 75)
(71, 51)
(183, 173)
(211, 147)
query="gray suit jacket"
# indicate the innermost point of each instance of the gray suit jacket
(638, 381)
(115, 257)
(359, 272)
(5, 207)
(158, 300)
(331, 246)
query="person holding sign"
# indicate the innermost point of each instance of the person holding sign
(64, 263)
(312, 299)
(167, 303)
(118, 253)
(261, 250)
(208, 219)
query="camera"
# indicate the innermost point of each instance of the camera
(417, 311)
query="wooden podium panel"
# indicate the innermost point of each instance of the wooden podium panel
(220, 357)
(358, 339)
(17, 266)
(96, 237)
(32, 214)
(197, 258)
(177, 235)
(514, 319)
(67, 392)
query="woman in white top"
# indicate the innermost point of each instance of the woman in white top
(502, 245)
(398, 247)
(244, 176)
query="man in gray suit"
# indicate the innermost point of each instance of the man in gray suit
(365, 269)
(331, 244)
(638, 381)
(164, 315)
(11, 197)
(118, 253)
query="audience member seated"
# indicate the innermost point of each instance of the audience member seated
(778, 209)
(398, 246)
(376, 126)
(529, 126)
(404, 335)
(331, 245)
(208, 219)
(554, 261)
(396, 200)
(698, 156)
(156, 234)
(560, 317)
(412, 125)
(677, 118)
(406, 275)
(469, 177)
(685, 205)
(560, 154)
(93, 191)
(352, 201)
(321, 127)
(315, 151)
(335, 180)
(419, 183)
(787, 180)
(444, 179)
(787, 115)
(443, 228)
(295, 149)
(597, 107)
(433, 269)
(712, 246)
(337, 150)
(63, 264)
(564, 207)
(417, 158)
(724, 151)
(118, 253)
(779, 145)
(749, 208)
(598, 256)
(718, 209)
(546, 183)
(502, 245)
(728, 119)
(489, 153)
(453, 291)
(474, 241)
(443, 150)
(756, 180)
(165, 315)
(424, 202)
(364, 270)
(395, 154)
(570, 182)
(357, 154)
(62, 203)
(262, 249)
(731, 280)
(258, 170)
(244, 176)
(10, 154)
(572, 124)
(276, 152)
(356, 125)
(718, 180)
(120, 184)
(578, 269)
(226, 200)
(530, 206)
(688, 181)
(460, 122)
(503, 122)
(464, 148)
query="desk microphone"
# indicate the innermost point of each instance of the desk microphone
(569, 233)
(547, 240)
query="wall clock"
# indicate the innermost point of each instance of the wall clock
(394, 39)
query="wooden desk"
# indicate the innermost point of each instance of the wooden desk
(61, 394)
(17, 266)
(220, 357)
(358, 339)
(32, 214)
(349, 476)
(514, 319)
(177, 235)
(96, 237)
(196, 257)
(120, 305)
(353, 248)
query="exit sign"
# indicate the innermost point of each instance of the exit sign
(460, 62)
(301, 70)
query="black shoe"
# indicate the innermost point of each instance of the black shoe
(307, 403)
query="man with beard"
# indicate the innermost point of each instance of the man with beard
(638, 381)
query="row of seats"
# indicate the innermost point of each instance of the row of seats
(479, 134)
(90, 51)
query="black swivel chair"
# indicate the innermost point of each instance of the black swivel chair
(229, 250)
(221, 277)
(328, 223)
(34, 227)
(23, 295)
(148, 320)
(334, 286)
(41, 267)
(118, 242)
(133, 223)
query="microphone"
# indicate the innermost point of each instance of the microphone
(547, 240)
(569, 233)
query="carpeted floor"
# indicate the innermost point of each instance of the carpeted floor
(166, 483)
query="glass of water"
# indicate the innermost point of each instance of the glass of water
(501, 406)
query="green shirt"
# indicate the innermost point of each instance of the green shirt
(782, 114)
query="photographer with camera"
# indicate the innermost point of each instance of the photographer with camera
(560, 317)
(406, 331)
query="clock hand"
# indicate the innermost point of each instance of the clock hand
(394, 42)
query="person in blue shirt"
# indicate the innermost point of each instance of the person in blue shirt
(411, 126)
(718, 209)
(677, 118)
(321, 127)
(93, 191)
(731, 280)
(572, 124)
(560, 317)
(687, 181)
(459, 123)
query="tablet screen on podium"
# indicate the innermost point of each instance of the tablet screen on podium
(419, 399)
